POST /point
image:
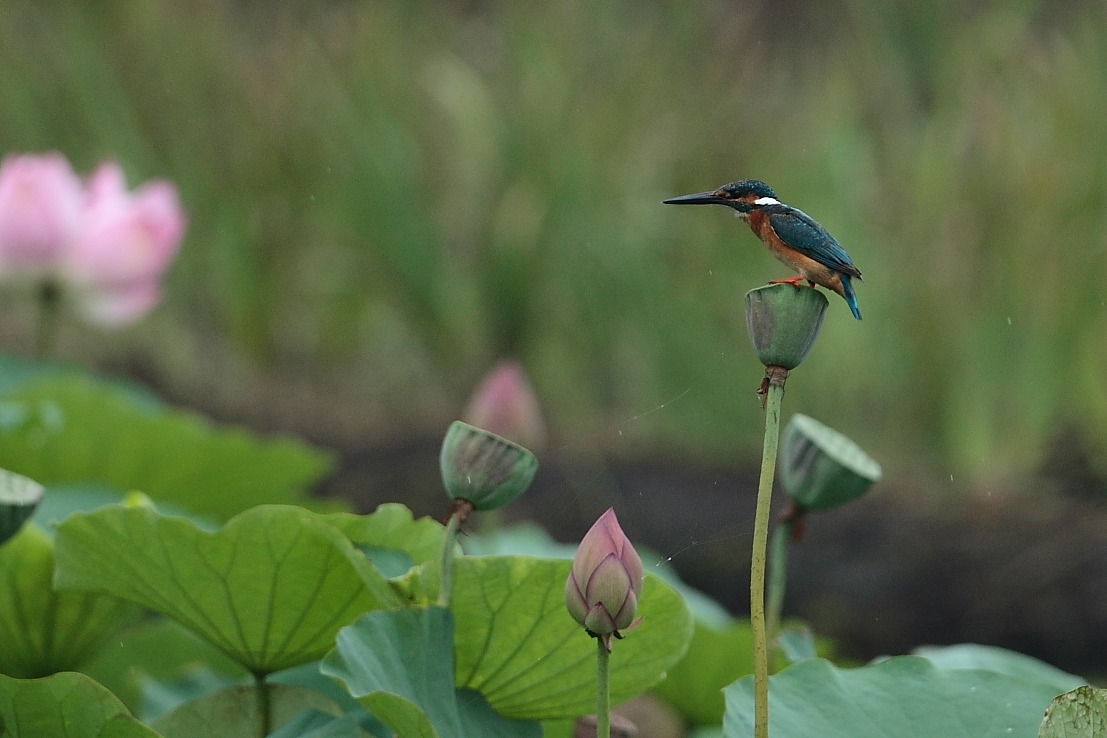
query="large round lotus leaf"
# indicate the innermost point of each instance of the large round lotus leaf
(270, 588)
(518, 646)
(233, 711)
(397, 664)
(993, 658)
(1081, 713)
(72, 429)
(43, 630)
(66, 705)
(905, 697)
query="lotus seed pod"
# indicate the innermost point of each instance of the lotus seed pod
(783, 321)
(820, 468)
(485, 469)
(19, 496)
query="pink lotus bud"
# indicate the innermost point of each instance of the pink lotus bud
(126, 243)
(603, 587)
(40, 211)
(504, 403)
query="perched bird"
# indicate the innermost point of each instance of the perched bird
(792, 235)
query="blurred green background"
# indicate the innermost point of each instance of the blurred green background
(386, 198)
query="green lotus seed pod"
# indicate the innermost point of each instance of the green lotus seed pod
(487, 470)
(19, 496)
(783, 321)
(820, 468)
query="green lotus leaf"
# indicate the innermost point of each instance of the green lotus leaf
(518, 646)
(73, 429)
(270, 588)
(715, 658)
(232, 711)
(392, 528)
(1081, 713)
(65, 704)
(905, 696)
(993, 658)
(318, 724)
(44, 631)
(397, 664)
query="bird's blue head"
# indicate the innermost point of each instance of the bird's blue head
(745, 196)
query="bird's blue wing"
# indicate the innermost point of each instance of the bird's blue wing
(800, 231)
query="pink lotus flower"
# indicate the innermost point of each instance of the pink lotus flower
(120, 306)
(605, 582)
(504, 403)
(125, 243)
(40, 213)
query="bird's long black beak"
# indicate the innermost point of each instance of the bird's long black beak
(709, 198)
(699, 198)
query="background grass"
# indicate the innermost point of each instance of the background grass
(385, 198)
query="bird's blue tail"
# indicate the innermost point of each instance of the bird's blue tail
(851, 299)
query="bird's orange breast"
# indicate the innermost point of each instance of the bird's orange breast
(805, 265)
(759, 224)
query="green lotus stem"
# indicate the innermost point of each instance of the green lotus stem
(449, 545)
(49, 299)
(261, 692)
(776, 377)
(603, 696)
(778, 576)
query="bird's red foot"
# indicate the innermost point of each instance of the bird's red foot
(794, 281)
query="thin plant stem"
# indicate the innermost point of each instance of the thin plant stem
(449, 543)
(778, 576)
(261, 693)
(49, 299)
(774, 392)
(603, 696)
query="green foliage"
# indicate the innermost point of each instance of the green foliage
(1081, 713)
(902, 696)
(391, 529)
(44, 631)
(518, 646)
(1012, 663)
(154, 664)
(232, 712)
(316, 724)
(427, 186)
(716, 657)
(398, 665)
(65, 704)
(73, 429)
(270, 589)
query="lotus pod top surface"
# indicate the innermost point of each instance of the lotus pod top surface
(822, 468)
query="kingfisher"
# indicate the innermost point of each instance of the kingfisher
(791, 234)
